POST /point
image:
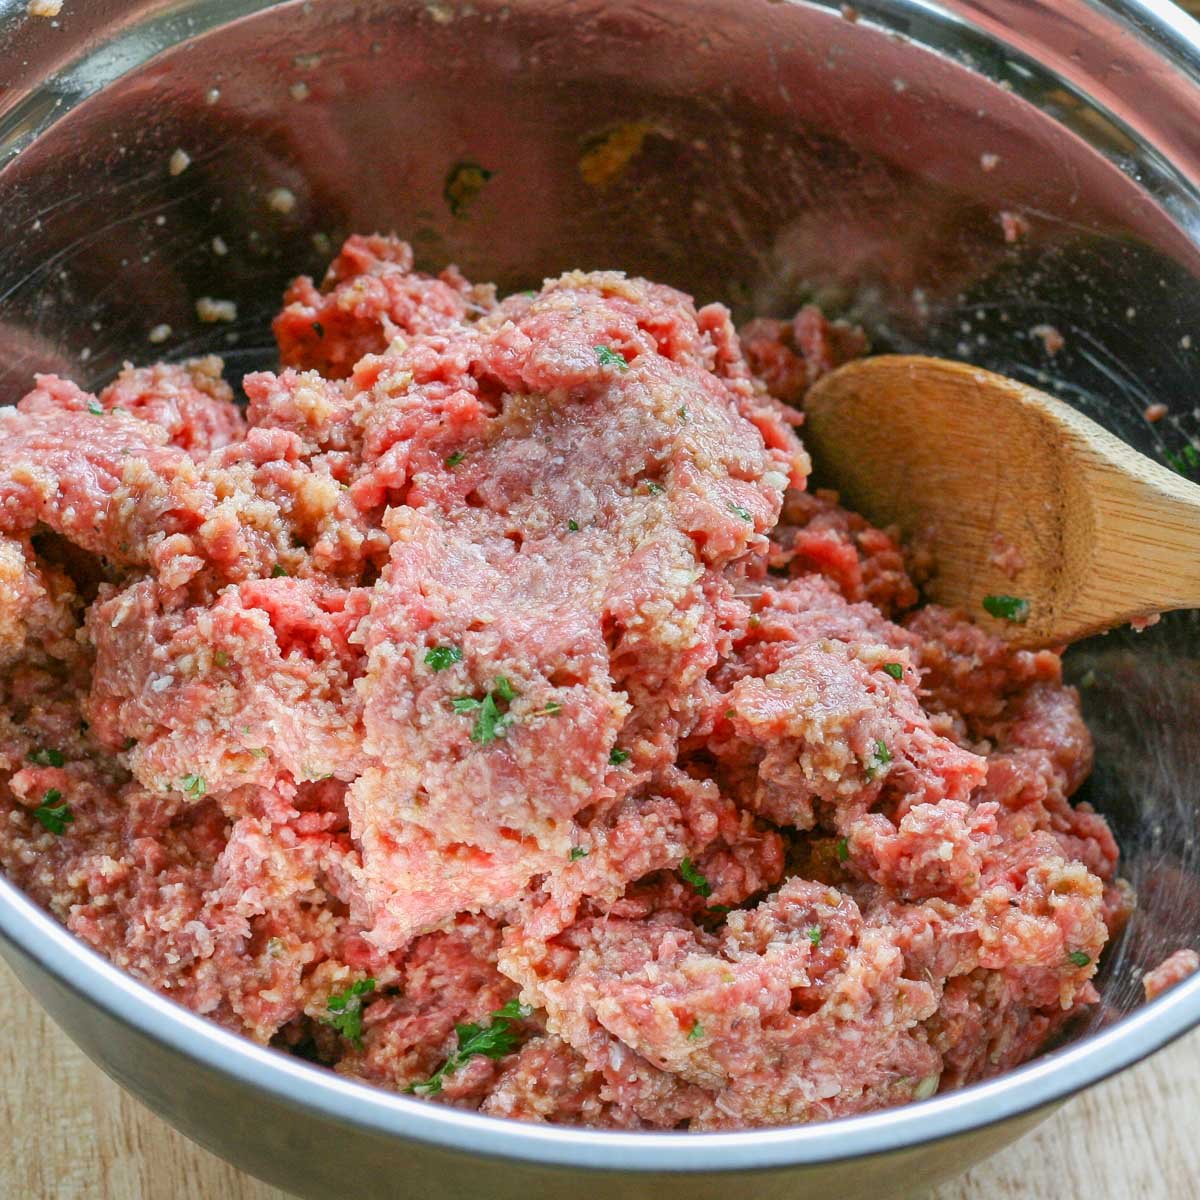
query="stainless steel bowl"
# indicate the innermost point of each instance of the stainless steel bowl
(784, 151)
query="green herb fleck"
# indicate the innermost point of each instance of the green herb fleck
(494, 1040)
(1188, 459)
(278, 571)
(221, 658)
(880, 757)
(578, 852)
(97, 410)
(1078, 958)
(193, 785)
(550, 709)
(452, 460)
(655, 489)
(258, 752)
(895, 670)
(611, 358)
(616, 756)
(45, 757)
(52, 814)
(491, 723)
(464, 182)
(573, 525)
(1007, 608)
(814, 934)
(682, 412)
(688, 870)
(843, 850)
(739, 511)
(438, 658)
(697, 1032)
(345, 1010)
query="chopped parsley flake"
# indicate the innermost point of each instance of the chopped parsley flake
(683, 414)
(550, 709)
(491, 723)
(697, 1032)
(1078, 958)
(688, 870)
(45, 757)
(97, 410)
(1007, 608)
(611, 358)
(814, 934)
(573, 525)
(578, 852)
(616, 756)
(739, 511)
(278, 571)
(193, 785)
(895, 670)
(880, 756)
(843, 850)
(438, 658)
(655, 489)
(452, 460)
(1187, 459)
(52, 814)
(464, 182)
(494, 1040)
(345, 1010)
(221, 658)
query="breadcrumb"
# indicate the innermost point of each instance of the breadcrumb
(1052, 339)
(281, 200)
(210, 310)
(44, 8)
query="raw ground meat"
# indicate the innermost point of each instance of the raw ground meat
(1175, 969)
(489, 712)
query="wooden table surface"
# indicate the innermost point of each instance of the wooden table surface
(74, 1135)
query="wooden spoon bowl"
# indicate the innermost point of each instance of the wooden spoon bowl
(1040, 521)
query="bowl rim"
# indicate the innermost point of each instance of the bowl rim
(1167, 32)
(297, 1084)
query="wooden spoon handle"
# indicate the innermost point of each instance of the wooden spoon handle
(1144, 534)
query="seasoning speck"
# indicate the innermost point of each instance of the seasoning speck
(159, 334)
(44, 8)
(179, 162)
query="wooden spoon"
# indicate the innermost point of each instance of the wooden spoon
(1041, 523)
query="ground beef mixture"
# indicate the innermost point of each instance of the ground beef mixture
(488, 711)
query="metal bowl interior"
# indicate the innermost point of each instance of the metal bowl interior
(760, 153)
